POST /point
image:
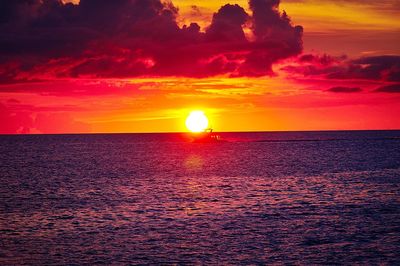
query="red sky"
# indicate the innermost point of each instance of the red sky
(143, 65)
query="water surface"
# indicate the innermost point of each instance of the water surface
(259, 198)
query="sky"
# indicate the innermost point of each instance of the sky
(99, 66)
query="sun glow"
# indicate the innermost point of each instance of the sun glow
(197, 122)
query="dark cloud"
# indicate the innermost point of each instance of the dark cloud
(227, 24)
(378, 68)
(276, 38)
(394, 88)
(385, 68)
(128, 38)
(323, 60)
(345, 89)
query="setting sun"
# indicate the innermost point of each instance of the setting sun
(197, 121)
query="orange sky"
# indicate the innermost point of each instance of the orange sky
(285, 100)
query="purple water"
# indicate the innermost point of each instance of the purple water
(259, 198)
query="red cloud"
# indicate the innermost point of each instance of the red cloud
(393, 88)
(128, 38)
(24, 119)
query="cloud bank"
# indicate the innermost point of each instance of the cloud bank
(45, 39)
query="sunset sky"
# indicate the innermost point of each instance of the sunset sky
(142, 65)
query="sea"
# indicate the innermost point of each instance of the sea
(265, 198)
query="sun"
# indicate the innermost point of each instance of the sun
(197, 121)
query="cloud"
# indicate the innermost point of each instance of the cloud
(394, 88)
(227, 24)
(276, 38)
(128, 38)
(345, 89)
(75, 88)
(385, 68)
(322, 60)
(17, 118)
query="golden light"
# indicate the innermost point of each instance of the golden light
(197, 121)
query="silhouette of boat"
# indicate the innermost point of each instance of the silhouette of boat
(207, 136)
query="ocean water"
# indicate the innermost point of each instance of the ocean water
(258, 198)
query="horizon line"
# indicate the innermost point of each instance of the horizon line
(187, 132)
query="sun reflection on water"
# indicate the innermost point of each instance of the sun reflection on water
(194, 163)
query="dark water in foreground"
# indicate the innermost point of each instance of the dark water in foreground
(262, 198)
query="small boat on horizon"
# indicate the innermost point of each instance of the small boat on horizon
(207, 136)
